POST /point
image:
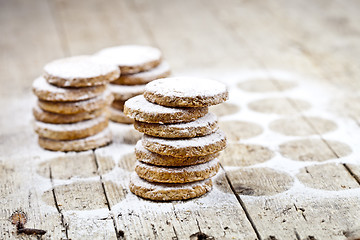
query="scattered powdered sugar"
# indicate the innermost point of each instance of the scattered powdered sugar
(124, 92)
(83, 125)
(137, 181)
(139, 103)
(79, 67)
(210, 139)
(186, 87)
(175, 170)
(129, 55)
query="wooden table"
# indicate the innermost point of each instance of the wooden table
(291, 167)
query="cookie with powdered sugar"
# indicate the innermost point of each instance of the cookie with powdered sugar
(89, 105)
(186, 92)
(48, 92)
(57, 118)
(80, 71)
(167, 191)
(190, 147)
(145, 156)
(124, 92)
(131, 58)
(160, 71)
(118, 116)
(199, 127)
(142, 110)
(71, 131)
(98, 140)
(187, 174)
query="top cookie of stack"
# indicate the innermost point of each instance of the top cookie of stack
(139, 65)
(71, 112)
(178, 153)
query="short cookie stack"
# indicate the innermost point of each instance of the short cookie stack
(139, 65)
(177, 155)
(72, 108)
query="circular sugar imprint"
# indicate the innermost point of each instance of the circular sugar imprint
(282, 106)
(224, 109)
(242, 155)
(259, 181)
(266, 85)
(331, 176)
(300, 126)
(128, 162)
(84, 195)
(314, 150)
(237, 130)
(79, 165)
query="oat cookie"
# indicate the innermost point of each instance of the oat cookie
(168, 192)
(186, 92)
(142, 110)
(47, 92)
(192, 147)
(119, 117)
(161, 71)
(49, 117)
(144, 155)
(187, 174)
(123, 92)
(200, 127)
(131, 58)
(80, 71)
(71, 131)
(101, 139)
(79, 106)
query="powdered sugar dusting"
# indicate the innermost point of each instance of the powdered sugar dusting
(129, 55)
(201, 122)
(196, 142)
(186, 87)
(159, 70)
(83, 125)
(139, 103)
(79, 67)
(175, 170)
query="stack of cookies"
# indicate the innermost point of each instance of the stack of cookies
(72, 108)
(139, 65)
(177, 155)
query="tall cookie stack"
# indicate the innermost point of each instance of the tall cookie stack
(177, 155)
(73, 98)
(139, 65)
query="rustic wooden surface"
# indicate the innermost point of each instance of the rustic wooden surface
(291, 168)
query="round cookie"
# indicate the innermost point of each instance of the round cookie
(144, 155)
(123, 92)
(200, 127)
(119, 117)
(166, 191)
(101, 139)
(142, 110)
(71, 131)
(187, 174)
(186, 92)
(192, 147)
(160, 71)
(49, 117)
(117, 104)
(47, 92)
(131, 58)
(80, 71)
(77, 107)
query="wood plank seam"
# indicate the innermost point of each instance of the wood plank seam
(242, 204)
(64, 224)
(119, 234)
